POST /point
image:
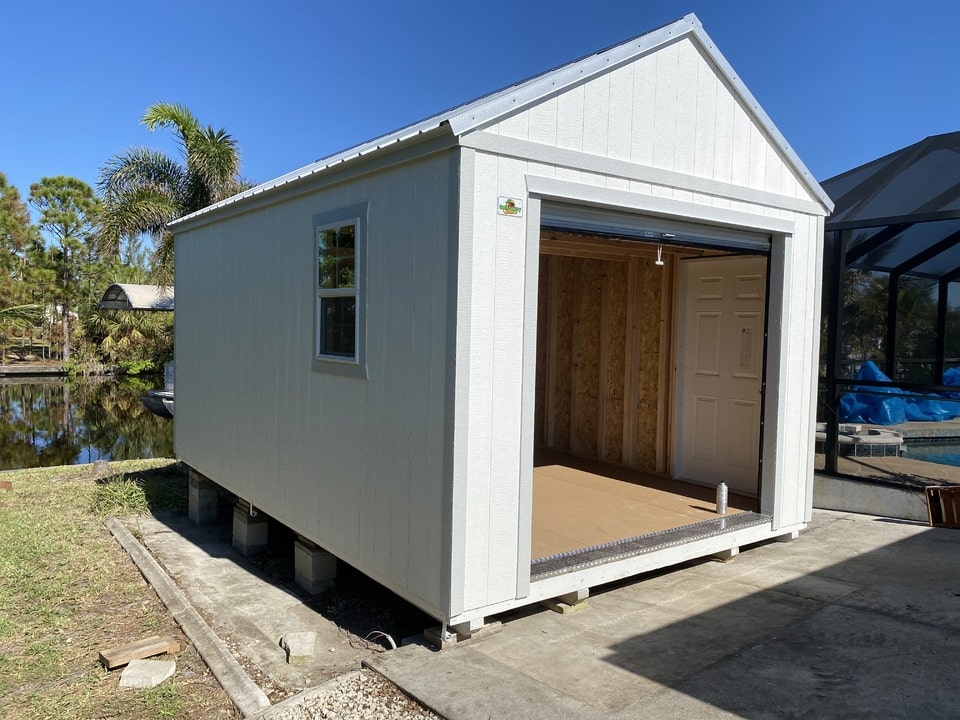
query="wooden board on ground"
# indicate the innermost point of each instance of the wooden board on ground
(148, 647)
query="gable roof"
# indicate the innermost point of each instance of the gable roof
(918, 183)
(490, 108)
(127, 296)
(902, 211)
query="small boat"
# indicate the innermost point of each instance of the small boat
(159, 402)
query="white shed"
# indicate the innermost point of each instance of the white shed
(507, 353)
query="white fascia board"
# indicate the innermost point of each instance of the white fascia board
(578, 160)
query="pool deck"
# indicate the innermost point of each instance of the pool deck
(897, 469)
(944, 429)
(902, 469)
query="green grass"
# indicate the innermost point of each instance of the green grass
(165, 701)
(132, 492)
(67, 590)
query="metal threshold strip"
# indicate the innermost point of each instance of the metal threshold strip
(573, 560)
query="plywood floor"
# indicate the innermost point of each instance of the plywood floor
(581, 503)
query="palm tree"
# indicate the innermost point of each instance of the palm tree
(144, 189)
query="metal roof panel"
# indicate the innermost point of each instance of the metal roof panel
(487, 109)
(128, 296)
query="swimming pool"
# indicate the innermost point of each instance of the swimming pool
(940, 452)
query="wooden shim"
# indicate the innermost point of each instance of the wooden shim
(943, 506)
(148, 647)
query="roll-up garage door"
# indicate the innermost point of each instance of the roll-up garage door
(646, 228)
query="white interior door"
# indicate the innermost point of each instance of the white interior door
(720, 371)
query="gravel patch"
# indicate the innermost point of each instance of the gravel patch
(359, 695)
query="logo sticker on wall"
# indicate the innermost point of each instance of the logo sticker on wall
(510, 206)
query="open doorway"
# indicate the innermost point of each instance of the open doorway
(610, 463)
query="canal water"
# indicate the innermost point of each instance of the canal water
(59, 421)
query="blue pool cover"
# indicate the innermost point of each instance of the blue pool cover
(892, 406)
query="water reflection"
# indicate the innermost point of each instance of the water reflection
(54, 421)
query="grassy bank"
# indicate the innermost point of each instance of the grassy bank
(68, 590)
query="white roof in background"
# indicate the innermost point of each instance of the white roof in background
(126, 296)
(488, 109)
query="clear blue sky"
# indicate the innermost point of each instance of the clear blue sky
(293, 81)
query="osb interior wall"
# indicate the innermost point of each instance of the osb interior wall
(598, 358)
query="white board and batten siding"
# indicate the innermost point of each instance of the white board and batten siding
(664, 135)
(420, 473)
(356, 465)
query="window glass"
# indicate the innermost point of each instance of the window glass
(337, 257)
(337, 290)
(338, 320)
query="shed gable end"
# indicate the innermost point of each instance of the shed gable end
(669, 109)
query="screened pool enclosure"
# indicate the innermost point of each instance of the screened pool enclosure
(890, 350)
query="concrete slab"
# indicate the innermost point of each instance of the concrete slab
(837, 663)
(856, 618)
(860, 616)
(246, 696)
(244, 608)
(143, 674)
(463, 684)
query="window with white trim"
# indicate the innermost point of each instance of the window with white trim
(339, 285)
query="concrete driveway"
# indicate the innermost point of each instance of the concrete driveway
(858, 618)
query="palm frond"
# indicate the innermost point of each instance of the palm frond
(141, 167)
(162, 264)
(176, 116)
(22, 313)
(213, 165)
(139, 211)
